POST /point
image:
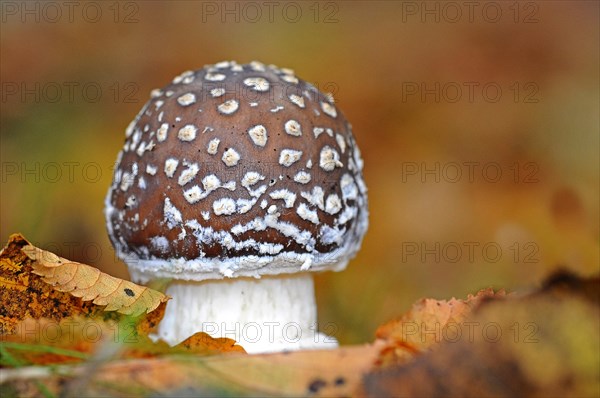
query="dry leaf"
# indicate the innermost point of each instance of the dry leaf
(89, 283)
(203, 343)
(426, 324)
(24, 295)
(543, 344)
(38, 284)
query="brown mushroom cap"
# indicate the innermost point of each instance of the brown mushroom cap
(237, 170)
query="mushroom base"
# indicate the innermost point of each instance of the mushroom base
(270, 314)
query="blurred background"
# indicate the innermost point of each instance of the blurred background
(478, 123)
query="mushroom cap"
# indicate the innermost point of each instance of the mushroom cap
(237, 170)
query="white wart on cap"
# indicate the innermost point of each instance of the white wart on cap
(237, 170)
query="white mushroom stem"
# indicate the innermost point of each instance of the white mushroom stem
(270, 314)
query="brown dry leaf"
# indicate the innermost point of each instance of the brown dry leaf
(24, 295)
(542, 344)
(198, 344)
(89, 283)
(203, 343)
(426, 324)
(38, 284)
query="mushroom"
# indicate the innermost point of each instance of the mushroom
(237, 182)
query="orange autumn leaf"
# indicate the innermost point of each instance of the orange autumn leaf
(540, 344)
(426, 324)
(204, 343)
